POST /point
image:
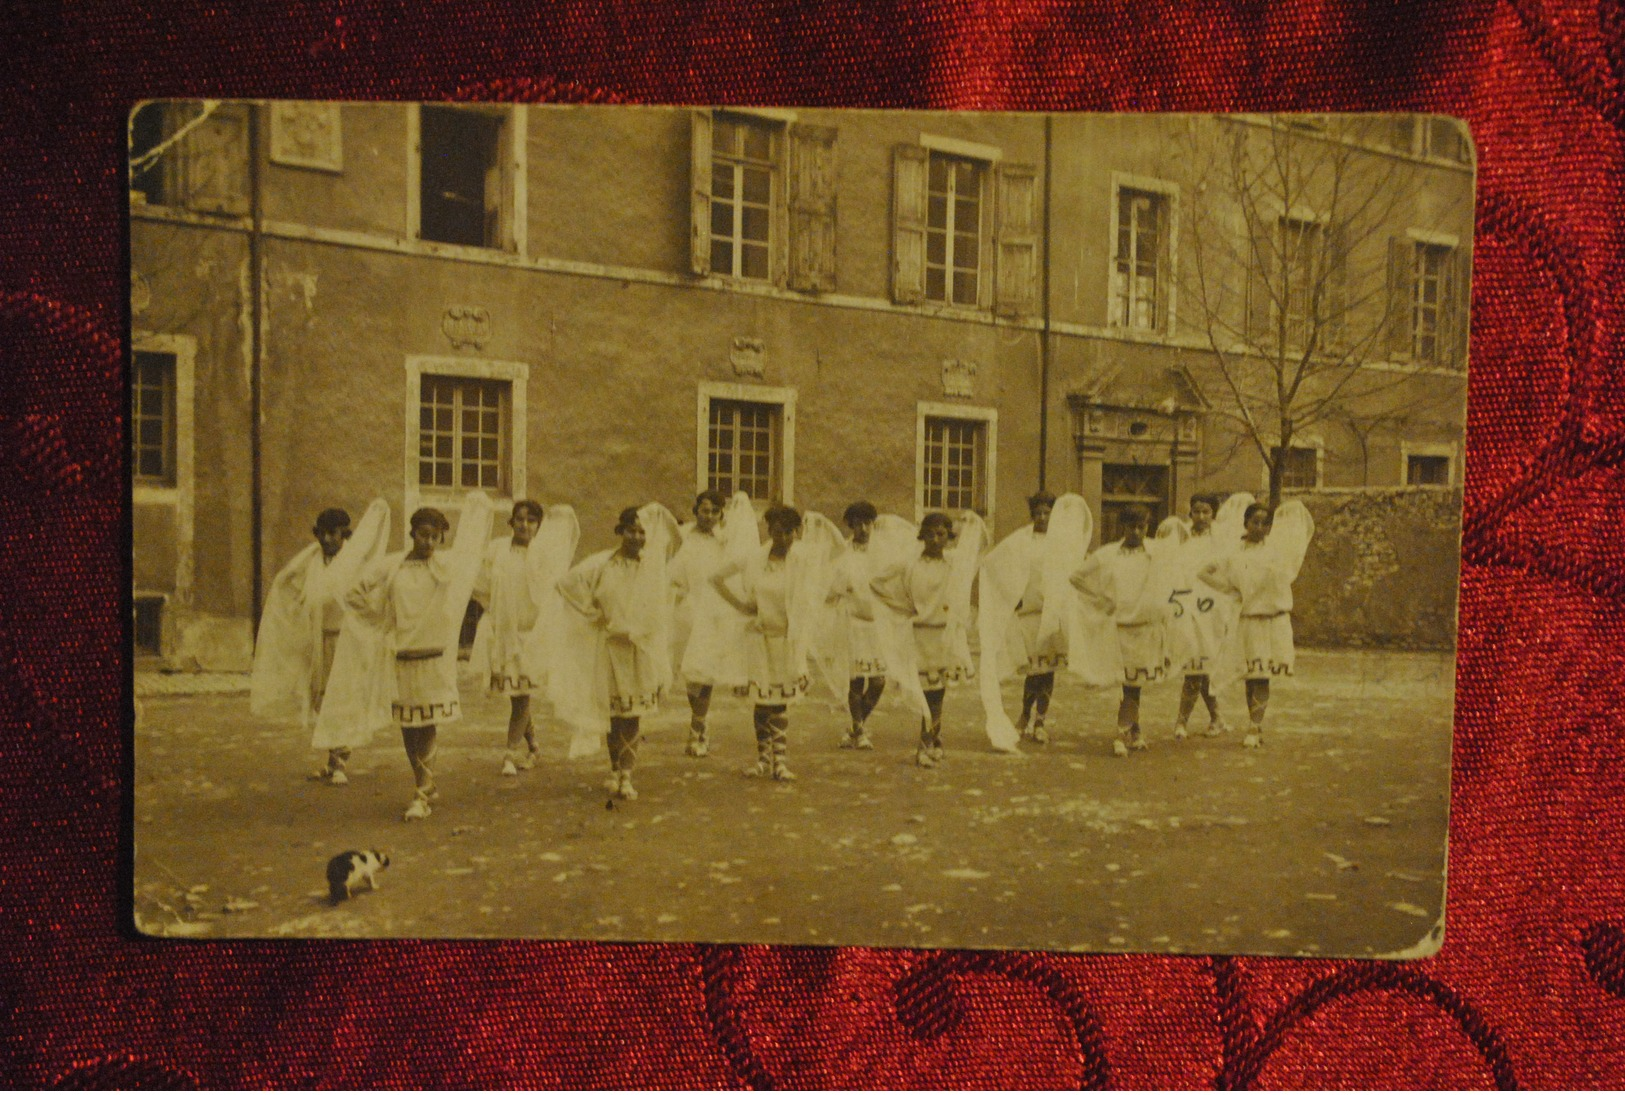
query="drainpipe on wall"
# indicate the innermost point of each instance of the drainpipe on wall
(256, 353)
(1044, 333)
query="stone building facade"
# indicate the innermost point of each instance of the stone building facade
(603, 306)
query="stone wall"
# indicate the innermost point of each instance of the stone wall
(1383, 569)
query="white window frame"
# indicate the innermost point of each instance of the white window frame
(785, 398)
(989, 417)
(513, 221)
(1418, 239)
(1448, 450)
(1167, 282)
(778, 160)
(181, 493)
(987, 156)
(516, 373)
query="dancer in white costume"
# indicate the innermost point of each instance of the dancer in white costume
(302, 620)
(781, 589)
(1127, 589)
(925, 635)
(1201, 636)
(852, 649)
(408, 609)
(613, 660)
(707, 632)
(517, 588)
(1261, 574)
(1025, 605)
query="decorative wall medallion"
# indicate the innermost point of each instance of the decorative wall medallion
(307, 135)
(959, 378)
(466, 326)
(747, 357)
(140, 293)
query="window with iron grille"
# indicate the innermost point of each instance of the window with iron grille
(152, 417)
(463, 433)
(743, 448)
(1139, 270)
(953, 229)
(1300, 467)
(952, 476)
(744, 189)
(148, 624)
(1427, 471)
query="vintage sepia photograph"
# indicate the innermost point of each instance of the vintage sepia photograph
(808, 526)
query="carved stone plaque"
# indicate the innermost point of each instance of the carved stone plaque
(747, 357)
(466, 326)
(307, 135)
(959, 378)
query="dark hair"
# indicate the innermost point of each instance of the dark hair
(628, 518)
(786, 517)
(712, 496)
(534, 508)
(936, 518)
(1136, 515)
(1258, 507)
(332, 518)
(858, 513)
(1211, 500)
(1042, 498)
(430, 516)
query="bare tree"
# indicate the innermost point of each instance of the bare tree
(1291, 277)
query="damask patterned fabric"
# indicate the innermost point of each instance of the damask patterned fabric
(1530, 987)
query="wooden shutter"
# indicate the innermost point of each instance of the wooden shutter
(910, 164)
(1015, 239)
(1335, 305)
(1260, 302)
(700, 183)
(215, 157)
(812, 208)
(1401, 287)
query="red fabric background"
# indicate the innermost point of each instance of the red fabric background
(1530, 987)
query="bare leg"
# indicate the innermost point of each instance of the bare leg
(778, 725)
(930, 751)
(1193, 686)
(421, 749)
(872, 694)
(623, 755)
(1258, 699)
(519, 756)
(1043, 685)
(761, 718)
(1215, 724)
(699, 705)
(1128, 722)
(855, 708)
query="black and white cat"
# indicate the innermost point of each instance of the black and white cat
(347, 870)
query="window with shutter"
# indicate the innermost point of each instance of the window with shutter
(812, 208)
(1016, 239)
(909, 170)
(1140, 261)
(465, 177)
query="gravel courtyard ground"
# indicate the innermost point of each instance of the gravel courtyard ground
(1329, 841)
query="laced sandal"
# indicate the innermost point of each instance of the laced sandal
(418, 810)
